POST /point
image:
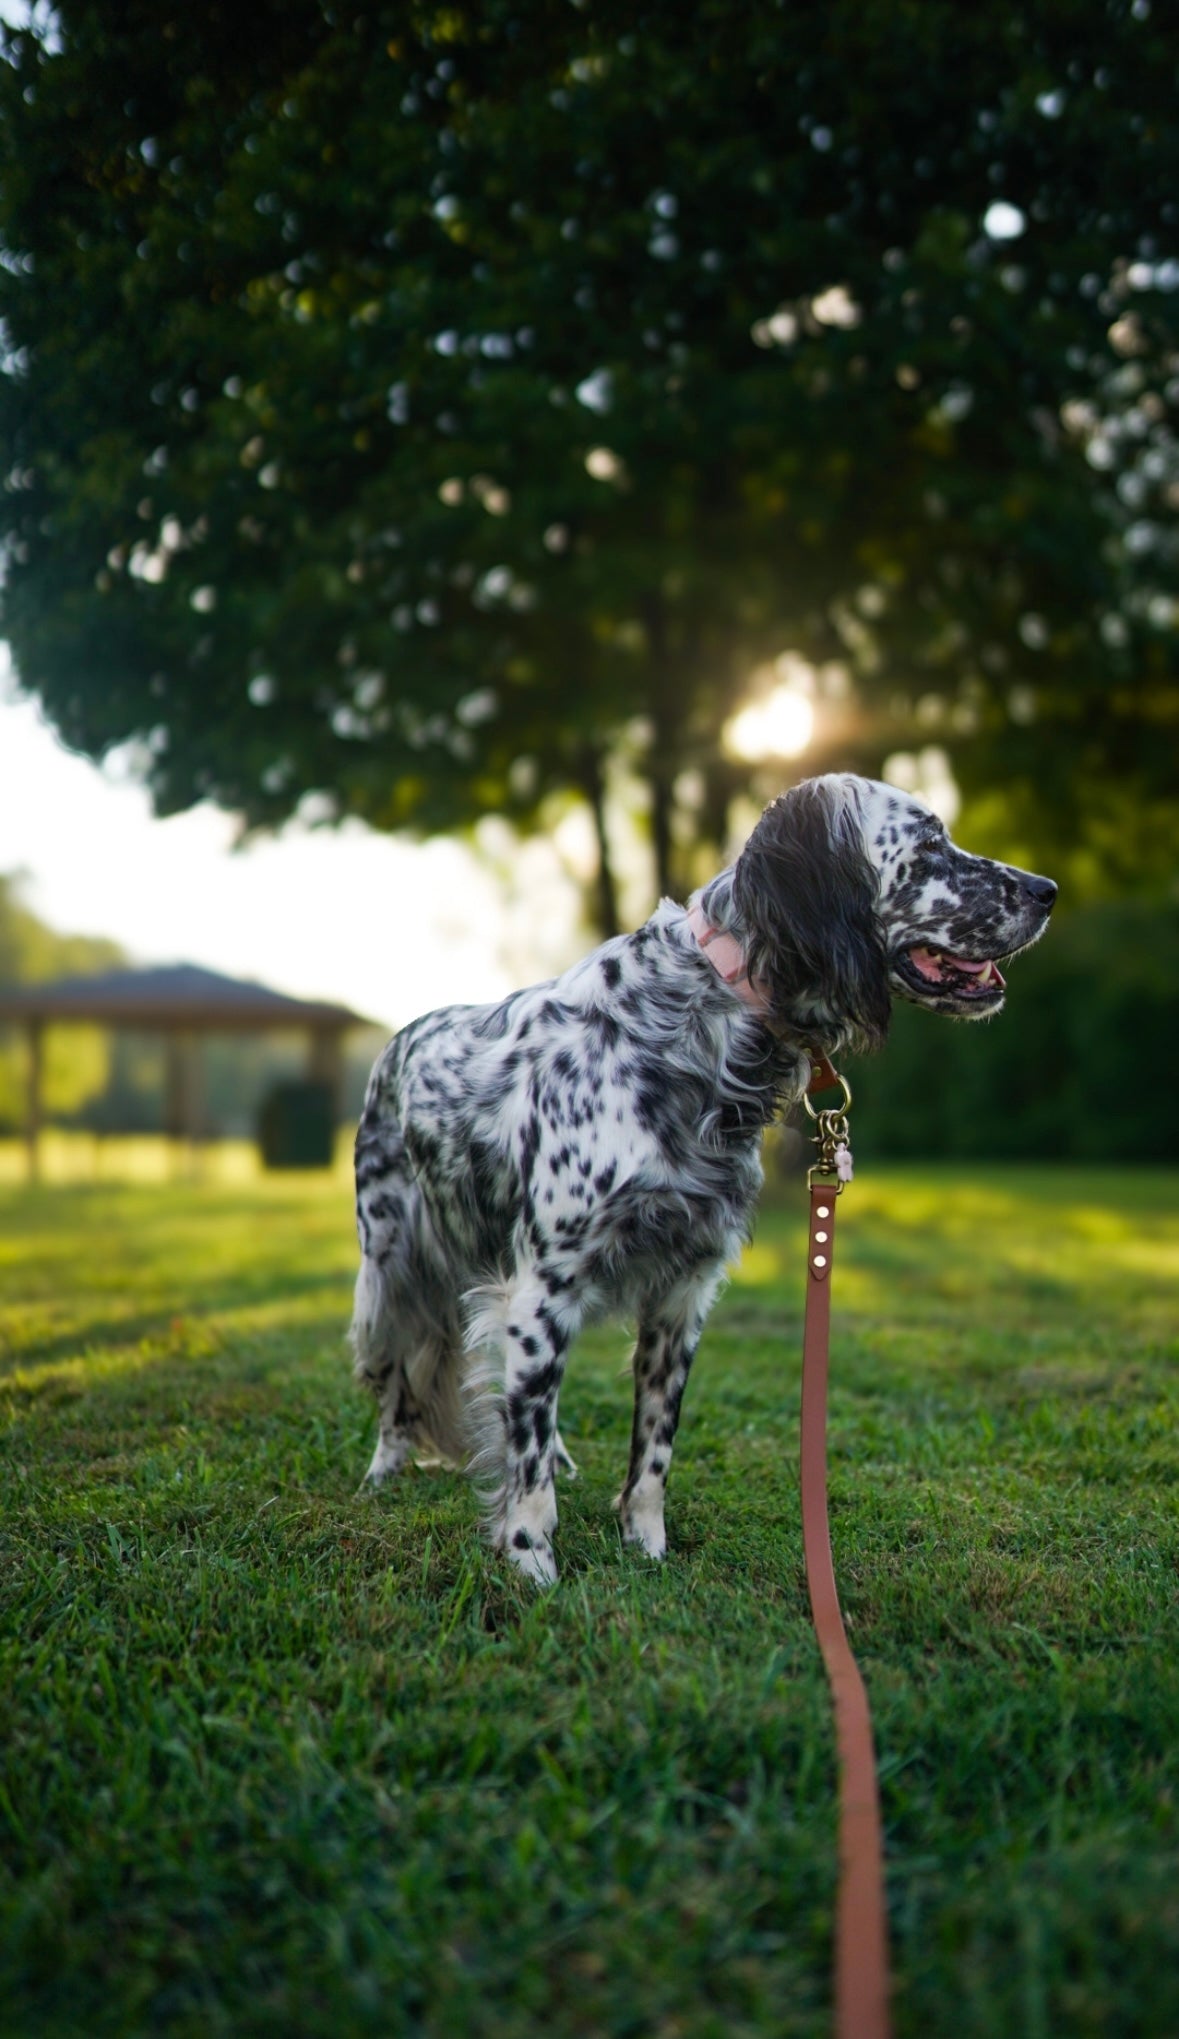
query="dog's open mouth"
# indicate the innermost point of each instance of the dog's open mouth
(958, 975)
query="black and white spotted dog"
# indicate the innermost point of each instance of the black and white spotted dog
(592, 1146)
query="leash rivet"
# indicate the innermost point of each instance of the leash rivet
(822, 1211)
(821, 1238)
(820, 1260)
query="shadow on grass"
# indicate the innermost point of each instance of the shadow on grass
(168, 1326)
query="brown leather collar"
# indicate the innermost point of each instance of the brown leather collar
(823, 1075)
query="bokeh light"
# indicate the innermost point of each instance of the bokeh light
(779, 726)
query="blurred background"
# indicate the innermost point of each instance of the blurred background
(459, 462)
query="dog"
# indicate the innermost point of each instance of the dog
(592, 1146)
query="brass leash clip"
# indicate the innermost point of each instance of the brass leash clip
(832, 1137)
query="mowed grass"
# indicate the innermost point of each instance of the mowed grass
(282, 1757)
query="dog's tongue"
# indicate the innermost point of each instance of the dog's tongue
(930, 963)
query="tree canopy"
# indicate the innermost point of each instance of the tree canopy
(404, 404)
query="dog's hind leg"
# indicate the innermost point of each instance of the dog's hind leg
(668, 1335)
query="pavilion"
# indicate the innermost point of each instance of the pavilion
(182, 1002)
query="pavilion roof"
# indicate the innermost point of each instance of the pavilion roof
(173, 995)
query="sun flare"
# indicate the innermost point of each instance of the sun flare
(779, 726)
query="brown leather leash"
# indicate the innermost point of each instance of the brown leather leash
(861, 1940)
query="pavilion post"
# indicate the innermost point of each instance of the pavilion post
(182, 1109)
(325, 1062)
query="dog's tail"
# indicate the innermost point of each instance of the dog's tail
(483, 1414)
(411, 1358)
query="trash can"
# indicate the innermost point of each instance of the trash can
(295, 1126)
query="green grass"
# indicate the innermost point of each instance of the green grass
(278, 1757)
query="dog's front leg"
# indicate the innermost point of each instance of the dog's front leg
(535, 1345)
(668, 1336)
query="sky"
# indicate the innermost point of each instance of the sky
(388, 927)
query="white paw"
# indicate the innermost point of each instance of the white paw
(388, 1459)
(643, 1525)
(534, 1559)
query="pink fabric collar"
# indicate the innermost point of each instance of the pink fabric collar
(727, 957)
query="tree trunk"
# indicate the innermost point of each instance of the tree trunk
(666, 705)
(662, 808)
(605, 889)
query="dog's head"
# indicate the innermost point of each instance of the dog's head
(849, 893)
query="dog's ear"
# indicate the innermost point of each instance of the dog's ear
(806, 895)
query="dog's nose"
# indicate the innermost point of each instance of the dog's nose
(1042, 890)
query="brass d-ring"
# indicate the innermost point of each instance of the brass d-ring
(845, 1106)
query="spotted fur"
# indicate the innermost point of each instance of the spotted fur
(591, 1147)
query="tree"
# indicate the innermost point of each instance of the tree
(402, 403)
(77, 1059)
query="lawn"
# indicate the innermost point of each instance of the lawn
(282, 1757)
